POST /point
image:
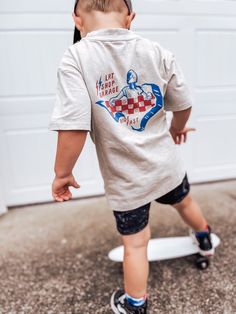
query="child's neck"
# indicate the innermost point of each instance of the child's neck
(99, 20)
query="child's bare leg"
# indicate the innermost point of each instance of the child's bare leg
(191, 213)
(136, 265)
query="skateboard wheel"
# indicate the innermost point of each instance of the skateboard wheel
(202, 262)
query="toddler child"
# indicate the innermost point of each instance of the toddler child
(118, 86)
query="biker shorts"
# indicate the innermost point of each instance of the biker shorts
(135, 220)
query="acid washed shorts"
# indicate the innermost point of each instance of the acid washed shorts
(133, 221)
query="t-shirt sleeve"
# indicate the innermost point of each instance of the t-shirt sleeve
(72, 107)
(177, 96)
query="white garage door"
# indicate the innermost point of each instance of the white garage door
(202, 34)
(33, 37)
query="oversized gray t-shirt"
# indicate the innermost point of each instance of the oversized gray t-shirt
(119, 85)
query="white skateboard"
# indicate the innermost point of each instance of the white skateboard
(169, 248)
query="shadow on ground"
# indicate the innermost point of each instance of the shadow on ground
(54, 258)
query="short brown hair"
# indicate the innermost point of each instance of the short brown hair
(102, 5)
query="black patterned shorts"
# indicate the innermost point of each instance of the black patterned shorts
(133, 221)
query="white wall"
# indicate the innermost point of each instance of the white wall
(33, 37)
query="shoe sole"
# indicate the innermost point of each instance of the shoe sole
(208, 253)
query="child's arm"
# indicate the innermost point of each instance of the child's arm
(177, 98)
(71, 117)
(69, 147)
(177, 129)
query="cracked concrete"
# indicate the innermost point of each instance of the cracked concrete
(54, 258)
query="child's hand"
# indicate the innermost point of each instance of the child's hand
(180, 137)
(60, 188)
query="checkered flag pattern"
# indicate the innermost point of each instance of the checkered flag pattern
(132, 105)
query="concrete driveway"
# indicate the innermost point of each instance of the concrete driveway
(53, 258)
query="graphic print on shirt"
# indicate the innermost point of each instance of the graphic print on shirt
(134, 105)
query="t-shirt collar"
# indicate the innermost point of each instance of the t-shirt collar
(111, 34)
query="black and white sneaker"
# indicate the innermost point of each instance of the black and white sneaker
(204, 242)
(120, 305)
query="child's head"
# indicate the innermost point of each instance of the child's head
(91, 15)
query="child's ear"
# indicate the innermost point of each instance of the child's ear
(130, 19)
(78, 21)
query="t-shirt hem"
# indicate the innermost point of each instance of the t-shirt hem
(62, 126)
(178, 108)
(151, 197)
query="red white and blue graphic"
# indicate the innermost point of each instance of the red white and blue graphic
(134, 105)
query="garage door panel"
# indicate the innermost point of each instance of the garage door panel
(216, 53)
(32, 70)
(37, 156)
(25, 105)
(33, 171)
(186, 7)
(219, 150)
(42, 6)
(29, 154)
(160, 22)
(221, 95)
(31, 146)
(30, 22)
(216, 173)
(214, 102)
